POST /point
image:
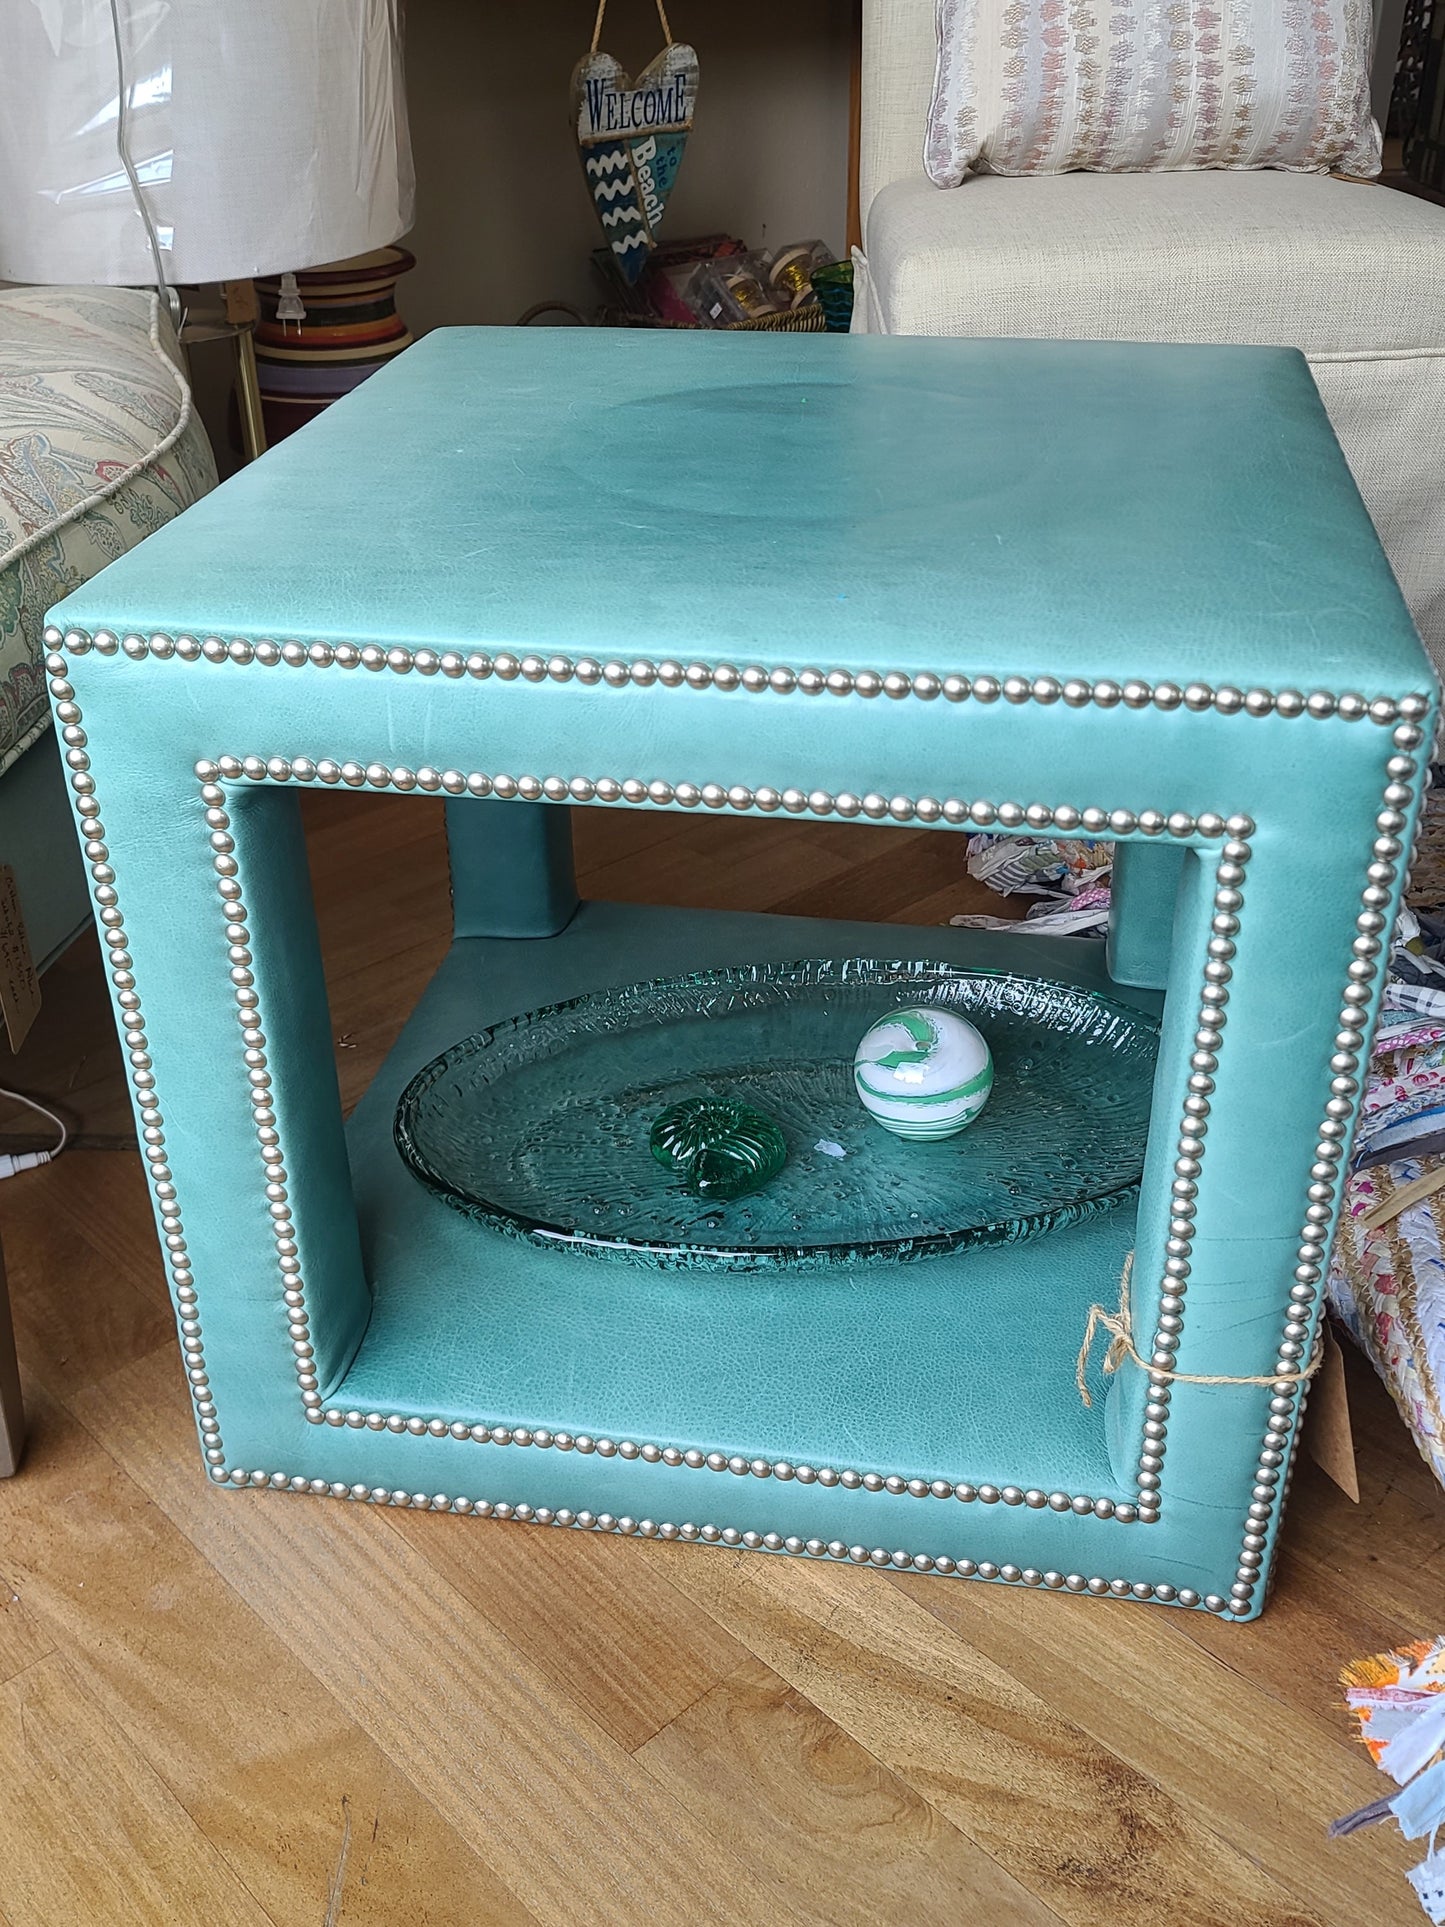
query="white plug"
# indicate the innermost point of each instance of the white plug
(23, 1161)
(29, 1160)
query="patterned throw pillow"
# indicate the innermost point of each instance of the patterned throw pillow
(1132, 86)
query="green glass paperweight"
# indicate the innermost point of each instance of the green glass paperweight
(722, 1150)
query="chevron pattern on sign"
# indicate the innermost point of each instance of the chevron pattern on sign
(631, 135)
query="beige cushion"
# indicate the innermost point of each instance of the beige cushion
(1354, 275)
(1295, 260)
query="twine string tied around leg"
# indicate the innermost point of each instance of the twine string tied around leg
(1121, 1346)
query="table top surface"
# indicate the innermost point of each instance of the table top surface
(1019, 507)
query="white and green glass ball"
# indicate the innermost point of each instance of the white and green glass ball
(923, 1073)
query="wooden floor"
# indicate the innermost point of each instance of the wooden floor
(247, 1707)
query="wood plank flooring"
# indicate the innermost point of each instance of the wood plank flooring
(251, 1708)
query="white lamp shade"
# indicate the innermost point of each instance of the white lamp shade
(267, 135)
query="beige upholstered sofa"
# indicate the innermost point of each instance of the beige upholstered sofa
(1353, 274)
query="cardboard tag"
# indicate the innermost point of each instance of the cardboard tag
(19, 984)
(1328, 1435)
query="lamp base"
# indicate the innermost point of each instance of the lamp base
(351, 327)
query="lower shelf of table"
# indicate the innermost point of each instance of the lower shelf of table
(956, 1367)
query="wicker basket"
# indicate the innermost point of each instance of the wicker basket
(794, 321)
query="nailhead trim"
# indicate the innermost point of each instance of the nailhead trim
(639, 792)
(1334, 1131)
(1134, 693)
(1208, 825)
(1331, 1157)
(142, 1076)
(1228, 900)
(253, 1036)
(694, 1458)
(380, 777)
(628, 1527)
(1225, 918)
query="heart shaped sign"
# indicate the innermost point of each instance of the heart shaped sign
(631, 135)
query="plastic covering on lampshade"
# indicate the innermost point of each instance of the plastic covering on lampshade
(265, 134)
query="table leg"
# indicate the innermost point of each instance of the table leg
(511, 868)
(1141, 913)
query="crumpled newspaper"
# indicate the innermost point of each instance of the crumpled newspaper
(1069, 876)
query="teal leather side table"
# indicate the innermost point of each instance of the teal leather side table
(1128, 592)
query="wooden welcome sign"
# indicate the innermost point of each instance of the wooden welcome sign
(631, 134)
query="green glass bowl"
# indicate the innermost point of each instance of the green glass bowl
(539, 1126)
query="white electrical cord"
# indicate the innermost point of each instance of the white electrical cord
(29, 1160)
(122, 142)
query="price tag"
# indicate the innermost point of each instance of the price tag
(19, 984)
